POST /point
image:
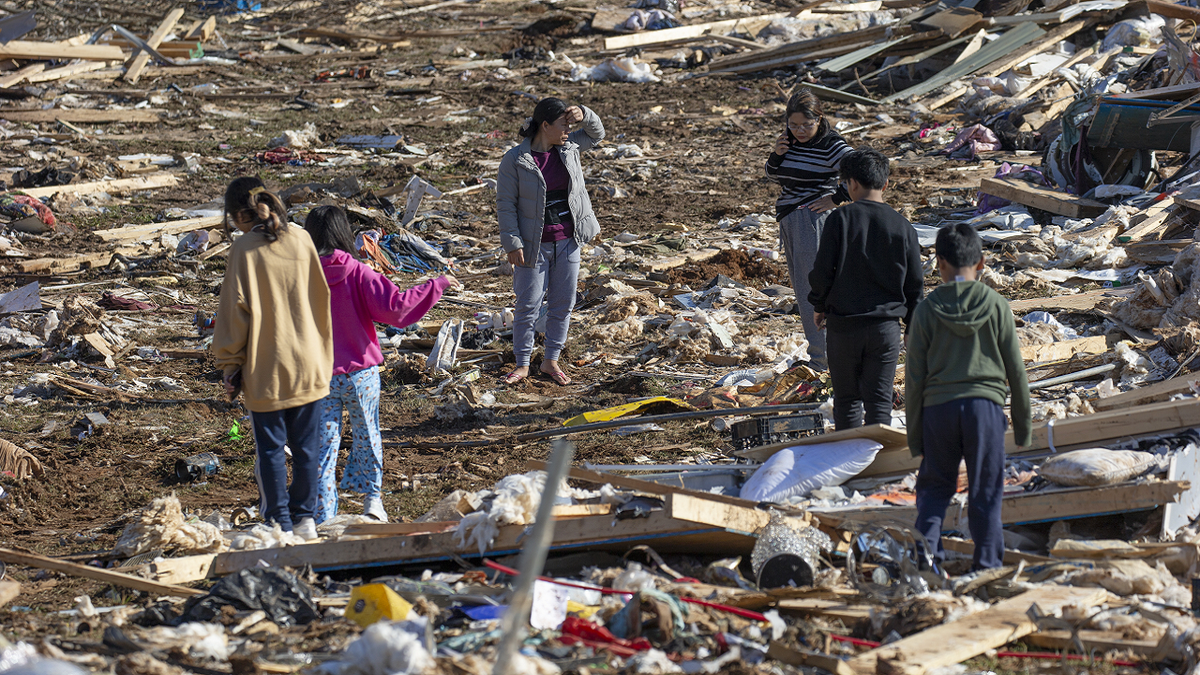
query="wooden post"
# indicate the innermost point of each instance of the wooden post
(142, 59)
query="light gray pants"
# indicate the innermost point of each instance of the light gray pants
(799, 236)
(554, 277)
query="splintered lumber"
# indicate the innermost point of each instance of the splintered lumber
(793, 657)
(1153, 393)
(9, 590)
(953, 22)
(71, 264)
(1059, 351)
(588, 533)
(21, 74)
(1093, 641)
(970, 636)
(989, 53)
(1105, 426)
(96, 574)
(181, 570)
(148, 232)
(18, 49)
(84, 115)
(119, 186)
(833, 609)
(1156, 252)
(201, 31)
(1079, 302)
(1037, 507)
(1011, 557)
(156, 38)
(65, 72)
(664, 264)
(810, 46)
(682, 32)
(1046, 199)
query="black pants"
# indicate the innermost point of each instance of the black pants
(970, 430)
(862, 366)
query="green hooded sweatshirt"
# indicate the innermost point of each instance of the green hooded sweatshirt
(963, 344)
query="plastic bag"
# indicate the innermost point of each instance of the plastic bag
(286, 600)
(801, 469)
(1096, 466)
(624, 69)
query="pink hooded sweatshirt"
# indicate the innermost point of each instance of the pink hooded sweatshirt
(359, 296)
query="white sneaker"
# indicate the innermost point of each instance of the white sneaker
(306, 529)
(373, 507)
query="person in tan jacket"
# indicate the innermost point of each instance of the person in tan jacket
(274, 341)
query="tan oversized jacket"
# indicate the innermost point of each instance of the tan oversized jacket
(273, 321)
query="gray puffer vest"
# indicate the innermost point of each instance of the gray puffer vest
(521, 192)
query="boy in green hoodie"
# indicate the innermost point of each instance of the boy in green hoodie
(963, 359)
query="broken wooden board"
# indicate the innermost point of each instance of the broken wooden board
(1011, 557)
(833, 609)
(1092, 430)
(731, 517)
(1079, 302)
(156, 38)
(182, 570)
(825, 662)
(154, 230)
(1151, 393)
(1046, 199)
(592, 533)
(669, 34)
(1093, 641)
(1037, 507)
(970, 636)
(22, 50)
(22, 299)
(1156, 252)
(66, 72)
(119, 186)
(21, 74)
(9, 590)
(1060, 351)
(84, 115)
(54, 265)
(96, 574)
(953, 22)
(664, 264)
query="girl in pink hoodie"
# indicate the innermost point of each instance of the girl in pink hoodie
(358, 297)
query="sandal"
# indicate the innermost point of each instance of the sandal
(513, 378)
(559, 377)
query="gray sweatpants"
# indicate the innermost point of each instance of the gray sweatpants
(555, 277)
(799, 236)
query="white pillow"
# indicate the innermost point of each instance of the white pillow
(801, 469)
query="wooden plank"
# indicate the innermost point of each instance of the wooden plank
(833, 609)
(890, 438)
(665, 534)
(970, 636)
(69, 264)
(1079, 302)
(825, 662)
(989, 53)
(664, 264)
(21, 74)
(812, 46)
(1046, 199)
(1156, 252)
(156, 38)
(1041, 507)
(1059, 351)
(82, 115)
(202, 31)
(630, 483)
(119, 186)
(1172, 10)
(1152, 225)
(737, 518)
(181, 570)
(66, 72)
(1151, 393)
(1093, 641)
(96, 574)
(22, 299)
(9, 590)
(147, 232)
(1037, 86)
(218, 250)
(646, 38)
(953, 22)
(19, 49)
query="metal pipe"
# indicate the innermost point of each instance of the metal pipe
(1071, 377)
(514, 624)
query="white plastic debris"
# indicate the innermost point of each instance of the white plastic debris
(800, 469)
(384, 648)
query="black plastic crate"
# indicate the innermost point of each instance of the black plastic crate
(758, 431)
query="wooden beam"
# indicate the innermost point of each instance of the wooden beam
(66, 72)
(147, 232)
(1046, 199)
(1059, 351)
(21, 74)
(69, 264)
(1152, 393)
(970, 636)
(82, 115)
(18, 49)
(1079, 302)
(182, 570)
(1093, 641)
(640, 485)
(1011, 557)
(96, 574)
(833, 609)
(652, 37)
(202, 31)
(825, 662)
(119, 186)
(733, 517)
(156, 38)
(1156, 252)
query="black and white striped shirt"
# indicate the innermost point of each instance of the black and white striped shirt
(807, 172)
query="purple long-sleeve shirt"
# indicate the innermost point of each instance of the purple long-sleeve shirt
(358, 297)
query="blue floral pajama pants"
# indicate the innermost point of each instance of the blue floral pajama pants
(358, 393)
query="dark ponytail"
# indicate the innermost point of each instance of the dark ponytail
(330, 230)
(547, 110)
(248, 193)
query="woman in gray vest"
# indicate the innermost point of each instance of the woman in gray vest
(545, 217)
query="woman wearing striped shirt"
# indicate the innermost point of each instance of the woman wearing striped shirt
(805, 164)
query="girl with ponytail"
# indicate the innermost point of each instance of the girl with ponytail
(274, 341)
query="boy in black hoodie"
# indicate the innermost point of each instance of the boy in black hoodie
(963, 360)
(867, 276)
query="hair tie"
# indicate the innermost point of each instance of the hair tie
(263, 211)
(257, 190)
(527, 124)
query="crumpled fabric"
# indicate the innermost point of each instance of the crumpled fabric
(626, 622)
(989, 203)
(654, 19)
(971, 141)
(18, 461)
(286, 155)
(15, 206)
(110, 301)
